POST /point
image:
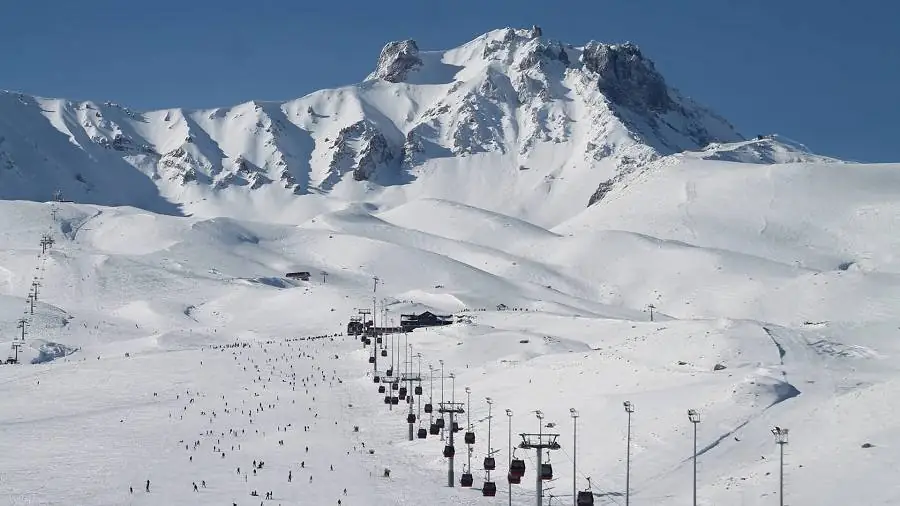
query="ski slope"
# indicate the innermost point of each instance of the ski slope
(783, 273)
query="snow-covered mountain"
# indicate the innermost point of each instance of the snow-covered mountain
(513, 121)
(546, 195)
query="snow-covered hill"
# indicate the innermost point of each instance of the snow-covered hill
(551, 121)
(462, 180)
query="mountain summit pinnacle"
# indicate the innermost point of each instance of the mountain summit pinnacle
(625, 76)
(397, 59)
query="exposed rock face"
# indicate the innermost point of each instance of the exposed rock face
(359, 148)
(179, 165)
(540, 53)
(397, 60)
(122, 143)
(626, 77)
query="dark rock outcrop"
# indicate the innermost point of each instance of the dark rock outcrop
(626, 77)
(397, 59)
(360, 148)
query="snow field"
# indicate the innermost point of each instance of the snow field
(805, 344)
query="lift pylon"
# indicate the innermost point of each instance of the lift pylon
(539, 442)
(451, 408)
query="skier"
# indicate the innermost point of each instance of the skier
(147, 486)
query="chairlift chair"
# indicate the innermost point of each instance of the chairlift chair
(372, 359)
(395, 400)
(434, 430)
(514, 479)
(517, 467)
(395, 386)
(489, 464)
(489, 489)
(449, 451)
(546, 472)
(456, 427)
(383, 353)
(402, 392)
(440, 423)
(466, 480)
(422, 433)
(381, 389)
(585, 498)
(375, 379)
(411, 418)
(418, 390)
(387, 399)
(470, 438)
(429, 408)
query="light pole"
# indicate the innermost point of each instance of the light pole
(781, 439)
(431, 395)
(490, 418)
(468, 426)
(452, 387)
(442, 395)
(574, 414)
(694, 417)
(538, 484)
(509, 414)
(629, 409)
(419, 397)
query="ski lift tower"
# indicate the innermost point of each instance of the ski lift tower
(34, 285)
(14, 352)
(18, 342)
(409, 378)
(362, 315)
(540, 442)
(46, 243)
(451, 408)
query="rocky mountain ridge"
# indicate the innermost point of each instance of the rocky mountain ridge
(563, 123)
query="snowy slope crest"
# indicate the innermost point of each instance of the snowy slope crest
(543, 120)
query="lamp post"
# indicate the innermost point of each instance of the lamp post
(781, 439)
(468, 426)
(419, 397)
(442, 394)
(574, 414)
(694, 417)
(431, 394)
(509, 414)
(629, 409)
(538, 484)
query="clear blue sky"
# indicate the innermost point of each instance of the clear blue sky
(823, 72)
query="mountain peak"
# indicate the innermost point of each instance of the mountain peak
(396, 60)
(548, 125)
(626, 76)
